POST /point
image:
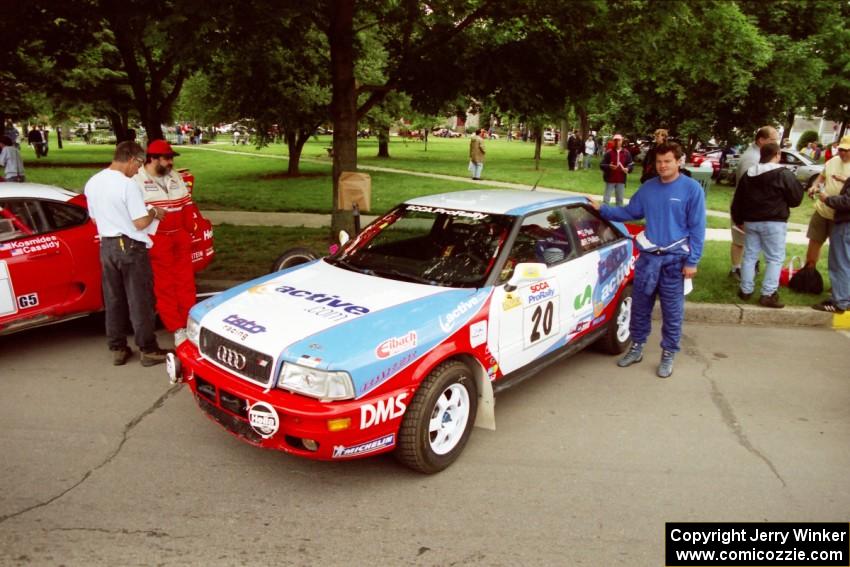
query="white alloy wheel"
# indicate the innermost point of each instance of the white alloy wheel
(448, 419)
(624, 316)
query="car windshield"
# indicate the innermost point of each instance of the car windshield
(430, 245)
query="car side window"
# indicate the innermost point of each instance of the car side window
(543, 238)
(63, 215)
(790, 159)
(15, 220)
(591, 230)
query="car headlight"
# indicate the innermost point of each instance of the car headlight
(193, 331)
(315, 383)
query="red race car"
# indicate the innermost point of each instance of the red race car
(49, 255)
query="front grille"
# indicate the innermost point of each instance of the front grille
(238, 358)
(229, 422)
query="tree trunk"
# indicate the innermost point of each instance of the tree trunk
(565, 134)
(383, 135)
(295, 144)
(119, 126)
(789, 123)
(538, 143)
(583, 122)
(343, 103)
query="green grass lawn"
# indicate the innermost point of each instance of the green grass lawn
(246, 252)
(224, 180)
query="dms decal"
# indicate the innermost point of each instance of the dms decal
(396, 345)
(382, 410)
(447, 323)
(328, 306)
(388, 371)
(263, 419)
(341, 451)
(540, 291)
(29, 245)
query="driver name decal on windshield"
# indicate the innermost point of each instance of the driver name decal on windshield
(442, 211)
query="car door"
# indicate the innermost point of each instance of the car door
(533, 319)
(37, 265)
(607, 262)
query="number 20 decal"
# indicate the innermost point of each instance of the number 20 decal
(541, 321)
(544, 315)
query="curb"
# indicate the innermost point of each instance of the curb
(714, 313)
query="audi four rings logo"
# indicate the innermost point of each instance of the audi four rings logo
(231, 358)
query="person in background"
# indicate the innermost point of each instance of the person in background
(670, 250)
(476, 154)
(36, 140)
(10, 160)
(171, 255)
(762, 203)
(649, 160)
(839, 250)
(123, 224)
(751, 157)
(829, 182)
(616, 165)
(831, 151)
(589, 151)
(574, 147)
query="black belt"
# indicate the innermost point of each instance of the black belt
(123, 238)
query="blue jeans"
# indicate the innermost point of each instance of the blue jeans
(839, 264)
(767, 237)
(476, 169)
(614, 188)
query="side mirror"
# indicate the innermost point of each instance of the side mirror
(343, 237)
(526, 273)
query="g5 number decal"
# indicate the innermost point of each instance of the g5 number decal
(28, 300)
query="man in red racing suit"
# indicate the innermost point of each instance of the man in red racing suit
(171, 254)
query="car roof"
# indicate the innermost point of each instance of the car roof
(498, 201)
(35, 191)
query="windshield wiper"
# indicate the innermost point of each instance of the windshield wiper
(409, 277)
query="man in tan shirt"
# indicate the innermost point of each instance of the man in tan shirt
(829, 182)
(476, 154)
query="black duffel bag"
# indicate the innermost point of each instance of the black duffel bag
(807, 280)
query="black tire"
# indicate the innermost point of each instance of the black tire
(417, 447)
(614, 341)
(293, 257)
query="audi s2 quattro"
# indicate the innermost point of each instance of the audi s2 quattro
(399, 341)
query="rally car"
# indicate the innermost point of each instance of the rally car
(400, 339)
(50, 259)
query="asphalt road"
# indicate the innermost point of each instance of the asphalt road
(113, 466)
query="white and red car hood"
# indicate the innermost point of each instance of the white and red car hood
(327, 317)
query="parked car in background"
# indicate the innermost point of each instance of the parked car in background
(399, 341)
(50, 258)
(803, 167)
(548, 137)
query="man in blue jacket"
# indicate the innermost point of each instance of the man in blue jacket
(670, 249)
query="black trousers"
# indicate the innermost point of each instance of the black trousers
(571, 159)
(128, 293)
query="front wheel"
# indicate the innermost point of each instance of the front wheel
(293, 257)
(617, 336)
(438, 422)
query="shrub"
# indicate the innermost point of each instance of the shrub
(806, 137)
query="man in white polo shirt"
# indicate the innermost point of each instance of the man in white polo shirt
(123, 224)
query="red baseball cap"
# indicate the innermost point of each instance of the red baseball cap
(161, 148)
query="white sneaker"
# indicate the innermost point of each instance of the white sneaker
(180, 336)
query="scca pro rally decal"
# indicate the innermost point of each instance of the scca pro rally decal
(341, 451)
(329, 306)
(20, 247)
(396, 345)
(382, 410)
